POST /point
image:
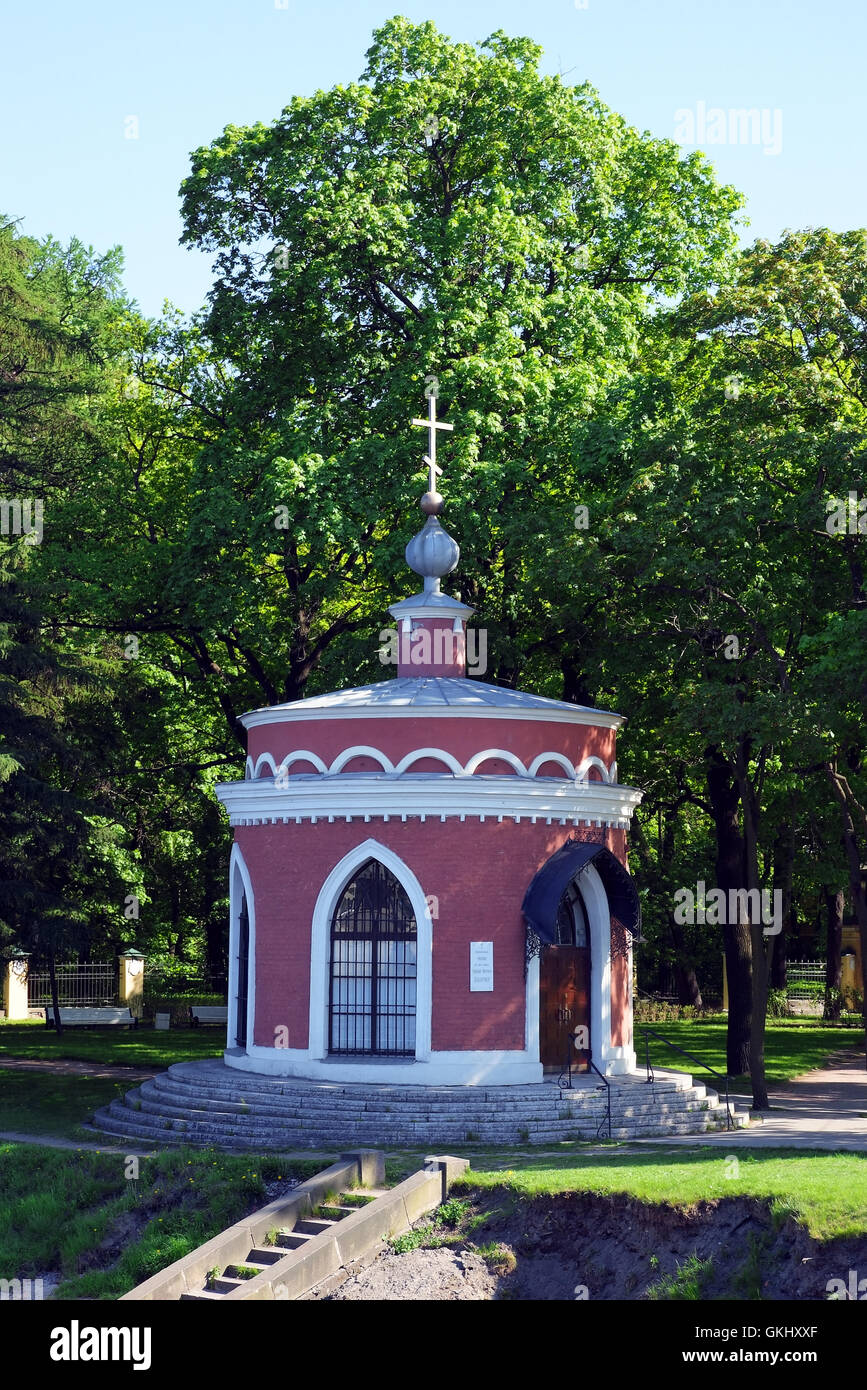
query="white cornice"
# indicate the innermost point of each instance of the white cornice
(526, 714)
(429, 796)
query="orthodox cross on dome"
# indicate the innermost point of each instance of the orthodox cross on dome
(432, 424)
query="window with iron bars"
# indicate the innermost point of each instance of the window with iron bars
(372, 997)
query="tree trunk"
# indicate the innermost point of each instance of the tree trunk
(760, 950)
(724, 798)
(55, 997)
(834, 907)
(784, 872)
(856, 882)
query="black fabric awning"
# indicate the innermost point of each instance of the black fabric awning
(542, 898)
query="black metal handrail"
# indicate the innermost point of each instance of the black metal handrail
(721, 1076)
(608, 1097)
(566, 1085)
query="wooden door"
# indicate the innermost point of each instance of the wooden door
(564, 1005)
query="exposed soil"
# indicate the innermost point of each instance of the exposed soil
(420, 1275)
(580, 1245)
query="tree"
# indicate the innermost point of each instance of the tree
(456, 213)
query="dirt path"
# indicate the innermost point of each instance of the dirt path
(823, 1109)
(64, 1066)
(50, 1141)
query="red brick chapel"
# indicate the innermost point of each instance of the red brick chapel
(428, 878)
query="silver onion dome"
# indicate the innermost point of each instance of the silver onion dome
(432, 553)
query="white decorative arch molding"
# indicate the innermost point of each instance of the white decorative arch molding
(240, 884)
(542, 759)
(469, 769)
(501, 754)
(360, 750)
(264, 760)
(438, 753)
(586, 765)
(463, 1068)
(329, 896)
(301, 755)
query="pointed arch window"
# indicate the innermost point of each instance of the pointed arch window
(572, 928)
(372, 994)
(242, 975)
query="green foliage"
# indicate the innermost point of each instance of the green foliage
(410, 1240)
(499, 1258)
(79, 1214)
(451, 1212)
(686, 1283)
(778, 1003)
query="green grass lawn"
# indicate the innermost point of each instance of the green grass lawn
(42, 1103)
(87, 1216)
(828, 1192)
(139, 1047)
(792, 1045)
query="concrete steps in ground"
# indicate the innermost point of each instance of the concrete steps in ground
(325, 1216)
(207, 1103)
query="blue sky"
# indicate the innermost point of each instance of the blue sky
(72, 73)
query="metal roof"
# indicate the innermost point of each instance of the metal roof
(424, 694)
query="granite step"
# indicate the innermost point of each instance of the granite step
(255, 1121)
(171, 1103)
(121, 1120)
(206, 1103)
(232, 1081)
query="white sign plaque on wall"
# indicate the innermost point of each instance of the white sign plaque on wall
(481, 966)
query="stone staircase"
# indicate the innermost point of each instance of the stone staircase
(206, 1103)
(261, 1257)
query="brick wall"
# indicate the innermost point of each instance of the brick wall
(479, 874)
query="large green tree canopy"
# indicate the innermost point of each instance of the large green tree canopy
(455, 213)
(230, 496)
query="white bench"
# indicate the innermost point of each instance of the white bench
(208, 1013)
(93, 1018)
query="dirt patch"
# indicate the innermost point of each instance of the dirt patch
(580, 1245)
(421, 1275)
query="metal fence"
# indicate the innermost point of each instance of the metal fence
(805, 979)
(94, 984)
